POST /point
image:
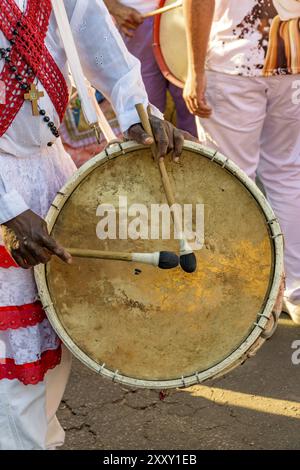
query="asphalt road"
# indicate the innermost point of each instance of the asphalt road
(257, 406)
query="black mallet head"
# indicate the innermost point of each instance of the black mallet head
(188, 262)
(168, 260)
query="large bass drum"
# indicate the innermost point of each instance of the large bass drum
(170, 44)
(164, 329)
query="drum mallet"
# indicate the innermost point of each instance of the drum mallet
(162, 259)
(165, 9)
(188, 261)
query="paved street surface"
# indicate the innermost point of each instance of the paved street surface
(257, 406)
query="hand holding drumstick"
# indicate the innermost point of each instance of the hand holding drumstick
(129, 19)
(167, 138)
(188, 260)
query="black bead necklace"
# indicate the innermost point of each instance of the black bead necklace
(5, 54)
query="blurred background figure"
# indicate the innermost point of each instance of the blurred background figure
(244, 61)
(78, 138)
(138, 36)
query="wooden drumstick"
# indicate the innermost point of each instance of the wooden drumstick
(165, 178)
(188, 260)
(159, 11)
(162, 259)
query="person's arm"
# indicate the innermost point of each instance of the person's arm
(115, 72)
(106, 62)
(111, 69)
(128, 19)
(24, 233)
(199, 17)
(27, 240)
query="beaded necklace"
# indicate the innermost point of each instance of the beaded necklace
(5, 55)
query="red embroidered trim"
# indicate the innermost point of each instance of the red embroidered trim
(30, 373)
(22, 316)
(6, 261)
(30, 51)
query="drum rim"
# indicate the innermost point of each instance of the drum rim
(236, 356)
(165, 70)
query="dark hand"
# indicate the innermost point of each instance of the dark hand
(167, 137)
(27, 240)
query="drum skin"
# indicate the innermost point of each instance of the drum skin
(170, 44)
(158, 327)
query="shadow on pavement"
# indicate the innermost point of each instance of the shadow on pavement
(254, 407)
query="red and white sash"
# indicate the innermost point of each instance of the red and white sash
(29, 50)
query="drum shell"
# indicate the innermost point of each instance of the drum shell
(264, 318)
(170, 44)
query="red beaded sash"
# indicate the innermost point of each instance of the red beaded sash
(31, 57)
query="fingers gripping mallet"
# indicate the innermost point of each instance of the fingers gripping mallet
(162, 259)
(188, 261)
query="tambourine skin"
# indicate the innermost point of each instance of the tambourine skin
(170, 44)
(164, 329)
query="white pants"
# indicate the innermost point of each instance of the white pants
(28, 412)
(257, 125)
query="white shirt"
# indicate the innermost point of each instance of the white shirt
(108, 66)
(240, 35)
(287, 9)
(143, 6)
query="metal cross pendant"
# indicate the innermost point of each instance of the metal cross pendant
(34, 95)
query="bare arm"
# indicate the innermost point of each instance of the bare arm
(199, 17)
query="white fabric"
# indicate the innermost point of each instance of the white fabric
(17, 286)
(26, 345)
(143, 6)
(12, 204)
(28, 412)
(56, 381)
(37, 179)
(23, 421)
(237, 46)
(43, 166)
(107, 65)
(287, 9)
(256, 124)
(292, 309)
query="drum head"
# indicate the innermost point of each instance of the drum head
(170, 44)
(163, 328)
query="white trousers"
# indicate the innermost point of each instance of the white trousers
(256, 123)
(28, 412)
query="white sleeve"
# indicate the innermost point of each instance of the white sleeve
(11, 204)
(107, 63)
